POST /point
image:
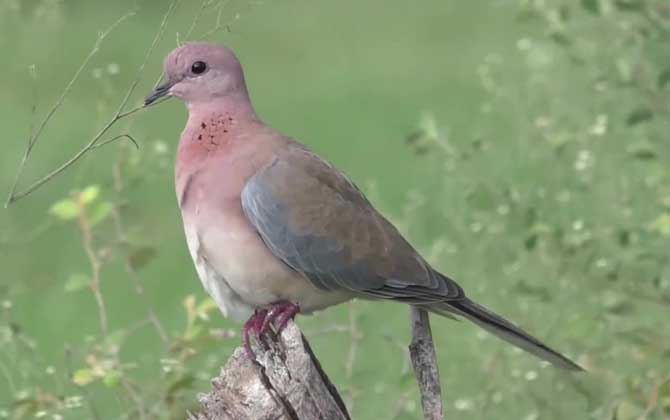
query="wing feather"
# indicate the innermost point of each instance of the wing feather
(318, 222)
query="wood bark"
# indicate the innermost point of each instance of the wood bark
(285, 382)
(424, 360)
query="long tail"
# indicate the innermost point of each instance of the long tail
(504, 329)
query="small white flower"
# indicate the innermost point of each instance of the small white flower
(531, 375)
(584, 160)
(542, 121)
(524, 44)
(410, 406)
(463, 404)
(599, 127)
(160, 147)
(497, 397)
(532, 416)
(113, 69)
(74, 401)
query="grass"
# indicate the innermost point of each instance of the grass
(536, 179)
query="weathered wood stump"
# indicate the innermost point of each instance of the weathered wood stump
(284, 382)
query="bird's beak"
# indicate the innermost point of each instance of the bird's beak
(158, 92)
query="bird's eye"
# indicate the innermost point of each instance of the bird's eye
(199, 67)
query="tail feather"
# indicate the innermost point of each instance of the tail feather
(504, 329)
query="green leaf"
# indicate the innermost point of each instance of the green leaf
(193, 332)
(205, 307)
(111, 378)
(628, 410)
(592, 6)
(531, 242)
(533, 290)
(115, 338)
(662, 224)
(639, 115)
(642, 150)
(664, 79)
(185, 383)
(629, 5)
(560, 38)
(76, 282)
(65, 209)
(89, 194)
(625, 69)
(140, 257)
(100, 212)
(83, 377)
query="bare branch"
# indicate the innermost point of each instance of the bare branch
(219, 24)
(422, 353)
(285, 382)
(120, 114)
(196, 19)
(113, 139)
(35, 135)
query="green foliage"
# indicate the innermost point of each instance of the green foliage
(522, 146)
(65, 209)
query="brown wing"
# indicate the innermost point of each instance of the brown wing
(319, 223)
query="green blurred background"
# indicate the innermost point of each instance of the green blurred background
(522, 146)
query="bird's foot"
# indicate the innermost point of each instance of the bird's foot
(279, 313)
(253, 325)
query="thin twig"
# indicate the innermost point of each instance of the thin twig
(422, 353)
(132, 272)
(120, 114)
(95, 263)
(219, 24)
(35, 135)
(196, 19)
(120, 136)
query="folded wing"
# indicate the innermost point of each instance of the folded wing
(317, 221)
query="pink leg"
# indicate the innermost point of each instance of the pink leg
(278, 314)
(253, 324)
(285, 316)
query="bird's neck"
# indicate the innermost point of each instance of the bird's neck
(236, 105)
(215, 132)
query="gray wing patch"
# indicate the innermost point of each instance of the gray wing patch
(314, 225)
(323, 260)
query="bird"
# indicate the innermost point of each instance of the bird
(275, 230)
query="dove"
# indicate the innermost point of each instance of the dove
(275, 230)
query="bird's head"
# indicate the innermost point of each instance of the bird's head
(200, 71)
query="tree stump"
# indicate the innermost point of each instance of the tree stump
(285, 382)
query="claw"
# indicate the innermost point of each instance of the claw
(272, 314)
(253, 324)
(278, 315)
